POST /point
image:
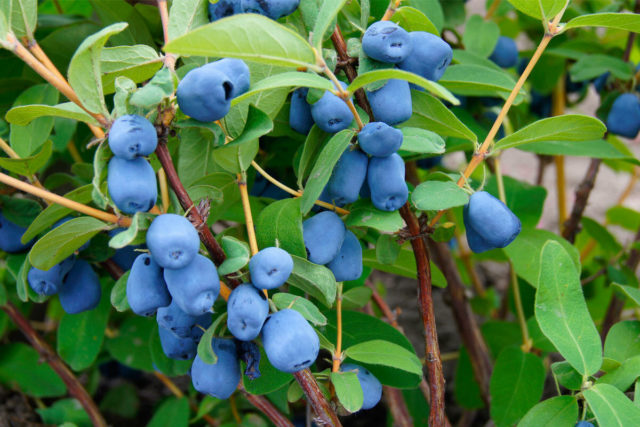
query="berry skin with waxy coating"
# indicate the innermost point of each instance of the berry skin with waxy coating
(132, 136)
(270, 268)
(386, 41)
(323, 235)
(202, 323)
(430, 56)
(347, 265)
(291, 344)
(173, 241)
(48, 282)
(492, 221)
(386, 182)
(247, 310)
(175, 320)
(300, 118)
(10, 235)
(205, 94)
(378, 139)
(624, 116)
(505, 54)
(331, 113)
(220, 379)
(175, 347)
(371, 387)
(347, 177)
(274, 9)
(80, 290)
(236, 70)
(195, 287)
(132, 184)
(223, 8)
(146, 290)
(391, 103)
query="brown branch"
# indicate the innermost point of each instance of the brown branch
(215, 250)
(397, 406)
(571, 225)
(617, 304)
(267, 408)
(464, 317)
(349, 69)
(48, 355)
(434, 364)
(325, 414)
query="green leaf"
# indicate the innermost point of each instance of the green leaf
(591, 66)
(562, 313)
(430, 113)
(196, 153)
(80, 336)
(480, 36)
(387, 249)
(393, 73)
(477, 80)
(380, 352)
(138, 63)
(323, 168)
(131, 346)
(619, 21)
(159, 88)
(238, 255)
(359, 328)
(205, 349)
(65, 413)
(316, 280)
(611, 407)
(516, 385)
(326, 16)
(84, 69)
(556, 411)
(305, 307)
(185, 16)
(56, 212)
(63, 241)
(356, 297)
(258, 124)
(626, 218)
(24, 115)
(250, 37)
(348, 390)
(288, 79)
(21, 15)
(416, 140)
(270, 379)
(237, 158)
(315, 140)
(623, 376)
(411, 19)
(404, 266)
(566, 375)
(28, 166)
(599, 149)
(20, 366)
(438, 195)
(280, 224)
(570, 127)
(19, 211)
(621, 342)
(174, 412)
(364, 214)
(606, 241)
(26, 140)
(550, 8)
(133, 235)
(119, 293)
(630, 292)
(531, 241)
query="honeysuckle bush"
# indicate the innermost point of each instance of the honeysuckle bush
(568, 318)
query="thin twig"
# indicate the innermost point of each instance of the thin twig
(173, 388)
(337, 355)
(558, 102)
(397, 406)
(246, 207)
(492, 10)
(13, 155)
(264, 406)
(434, 364)
(169, 58)
(391, 9)
(49, 355)
(571, 226)
(326, 415)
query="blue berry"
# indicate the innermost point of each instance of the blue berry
(270, 268)
(132, 136)
(48, 282)
(175, 347)
(378, 139)
(146, 289)
(172, 240)
(386, 182)
(371, 387)
(323, 235)
(10, 235)
(624, 117)
(392, 102)
(80, 290)
(347, 265)
(300, 118)
(205, 94)
(386, 41)
(132, 185)
(195, 287)
(247, 310)
(220, 379)
(493, 223)
(347, 177)
(505, 54)
(291, 344)
(430, 56)
(331, 113)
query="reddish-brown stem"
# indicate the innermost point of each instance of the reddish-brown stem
(617, 304)
(397, 406)
(434, 364)
(48, 355)
(464, 317)
(316, 399)
(267, 408)
(215, 250)
(350, 70)
(571, 226)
